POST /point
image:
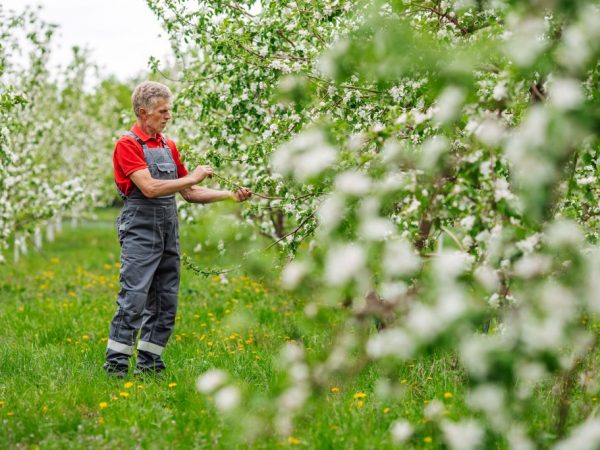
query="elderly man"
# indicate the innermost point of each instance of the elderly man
(148, 172)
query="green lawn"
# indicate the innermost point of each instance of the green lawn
(55, 307)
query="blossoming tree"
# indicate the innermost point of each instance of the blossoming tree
(439, 159)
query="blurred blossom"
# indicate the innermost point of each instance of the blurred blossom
(391, 342)
(331, 211)
(490, 132)
(526, 40)
(210, 381)
(352, 183)
(563, 233)
(465, 435)
(401, 431)
(433, 149)
(583, 437)
(293, 273)
(305, 156)
(487, 277)
(376, 228)
(490, 399)
(400, 258)
(448, 104)
(344, 262)
(566, 93)
(227, 398)
(451, 264)
(434, 410)
(532, 265)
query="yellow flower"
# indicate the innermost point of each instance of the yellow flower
(447, 395)
(44, 409)
(386, 410)
(360, 404)
(103, 405)
(427, 439)
(293, 441)
(85, 337)
(172, 385)
(124, 394)
(128, 385)
(335, 390)
(360, 395)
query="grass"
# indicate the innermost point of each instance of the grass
(55, 307)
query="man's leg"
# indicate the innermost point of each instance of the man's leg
(161, 309)
(138, 265)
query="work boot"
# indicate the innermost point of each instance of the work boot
(114, 371)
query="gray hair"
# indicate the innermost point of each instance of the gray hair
(146, 93)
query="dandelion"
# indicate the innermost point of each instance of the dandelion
(124, 394)
(386, 410)
(360, 395)
(103, 405)
(335, 390)
(447, 395)
(172, 385)
(427, 439)
(360, 404)
(85, 337)
(293, 441)
(44, 409)
(128, 385)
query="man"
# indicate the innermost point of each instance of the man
(148, 172)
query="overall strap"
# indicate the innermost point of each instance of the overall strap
(136, 137)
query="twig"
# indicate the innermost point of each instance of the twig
(294, 231)
(454, 238)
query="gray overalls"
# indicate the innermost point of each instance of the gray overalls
(149, 237)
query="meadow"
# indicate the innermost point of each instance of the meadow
(55, 306)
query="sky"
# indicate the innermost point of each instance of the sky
(121, 34)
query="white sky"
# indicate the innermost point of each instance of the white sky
(121, 34)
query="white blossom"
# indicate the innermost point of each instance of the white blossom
(344, 262)
(227, 398)
(401, 431)
(210, 381)
(566, 93)
(465, 435)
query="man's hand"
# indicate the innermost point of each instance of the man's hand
(241, 194)
(201, 172)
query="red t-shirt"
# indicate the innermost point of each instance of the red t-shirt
(129, 157)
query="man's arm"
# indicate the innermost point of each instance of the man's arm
(196, 194)
(152, 188)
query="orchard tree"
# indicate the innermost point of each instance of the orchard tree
(441, 160)
(56, 135)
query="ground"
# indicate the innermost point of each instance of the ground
(55, 307)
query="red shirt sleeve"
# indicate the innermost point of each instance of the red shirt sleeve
(128, 156)
(181, 170)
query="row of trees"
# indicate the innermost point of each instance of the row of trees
(56, 136)
(430, 163)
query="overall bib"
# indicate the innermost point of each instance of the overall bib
(150, 269)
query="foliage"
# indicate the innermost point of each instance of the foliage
(56, 137)
(440, 161)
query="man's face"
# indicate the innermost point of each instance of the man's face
(158, 117)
